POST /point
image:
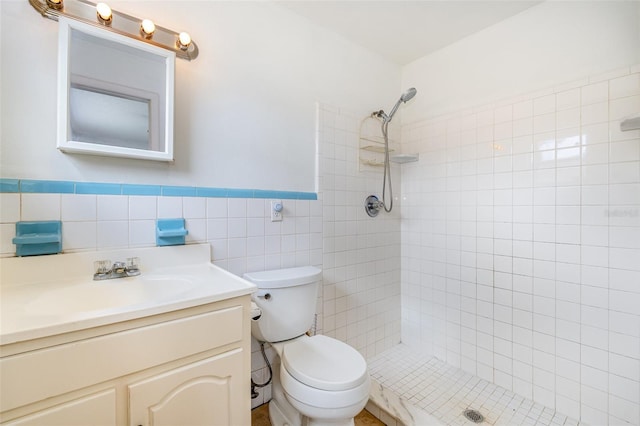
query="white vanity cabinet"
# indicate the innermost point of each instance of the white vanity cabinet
(185, 367)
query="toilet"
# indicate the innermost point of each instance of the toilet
(319, 380)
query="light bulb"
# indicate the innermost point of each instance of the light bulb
(104, 12)
(147, 27)
(56, 4)
(184, 40)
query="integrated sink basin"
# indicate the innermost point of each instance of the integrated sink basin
(88, 296)
(42, 296)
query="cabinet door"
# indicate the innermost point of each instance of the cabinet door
(207, 392)
(95, 410)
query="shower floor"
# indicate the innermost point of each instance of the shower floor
(421, 390)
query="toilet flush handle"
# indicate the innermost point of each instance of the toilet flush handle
(263, 294)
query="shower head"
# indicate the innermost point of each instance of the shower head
(406, 96)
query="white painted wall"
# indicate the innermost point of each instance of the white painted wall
(245, 108)
(546, 45)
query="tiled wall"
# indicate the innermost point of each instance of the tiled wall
(521, 245)
(360, 300)
(239, 230)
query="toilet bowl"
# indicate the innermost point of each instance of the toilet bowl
(319, 380)
(325, 380)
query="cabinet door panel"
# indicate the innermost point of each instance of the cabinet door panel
(207, 392)
(95, 410)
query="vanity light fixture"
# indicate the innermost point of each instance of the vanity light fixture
(147, 28)
(103, 16)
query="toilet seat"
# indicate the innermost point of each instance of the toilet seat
(324, 363)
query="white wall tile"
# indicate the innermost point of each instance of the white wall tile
(194, 207)
(169, 207)
(217, 229)
(238, 207)
(77, 235)
(36, 207)
(625, 86)
(9, 208)
(593, 93)
(142, 233)
(142, 207)
(237, 227)
(78, 207)
(112, 207)
(594, 133)
(623, 107)
(112, 234)
(217, 208)
(594, 113)
(197, 229)
(7, 232)
(544, 104)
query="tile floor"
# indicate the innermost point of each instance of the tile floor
(420, 390)
(260, 417)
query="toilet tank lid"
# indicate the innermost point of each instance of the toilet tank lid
(289, 277)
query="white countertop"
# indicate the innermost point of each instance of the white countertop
(42, 296)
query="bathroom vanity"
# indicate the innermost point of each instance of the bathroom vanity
(177, 355)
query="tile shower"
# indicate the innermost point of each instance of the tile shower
(520, 245)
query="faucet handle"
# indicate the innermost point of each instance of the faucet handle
(133, 267)
(102, 269)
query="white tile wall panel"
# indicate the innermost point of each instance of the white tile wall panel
(554, 259)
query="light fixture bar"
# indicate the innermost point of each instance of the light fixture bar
(121, 23)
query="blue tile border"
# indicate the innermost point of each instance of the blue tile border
(211, 192)
(98, 188)
(240, 193)
(33, 186)
(9, 185)
(128, 189)
(47, 187)
(179, 191)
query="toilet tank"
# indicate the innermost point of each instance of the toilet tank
(287, 299)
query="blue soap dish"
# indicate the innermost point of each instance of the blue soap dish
(36, 238)
(170, 232)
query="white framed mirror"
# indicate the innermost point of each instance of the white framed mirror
(115, 94)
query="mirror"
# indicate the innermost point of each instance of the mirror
(115, 94)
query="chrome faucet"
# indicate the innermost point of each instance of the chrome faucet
(105, 270)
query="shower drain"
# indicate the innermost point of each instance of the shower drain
(474, 416)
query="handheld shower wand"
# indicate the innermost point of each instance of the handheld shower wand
(404, 98)
(372, 203)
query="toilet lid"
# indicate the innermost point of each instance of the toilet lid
(324, 363)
